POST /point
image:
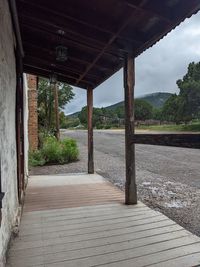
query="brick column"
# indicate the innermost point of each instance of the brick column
(33, 115)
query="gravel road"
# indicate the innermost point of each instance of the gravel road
(168, 178)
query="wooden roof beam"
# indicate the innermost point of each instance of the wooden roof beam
(148, 11)
(111, 40)
(32, 47)
(63, 15)
(61, 77)
(29, 59)
(43, 24)
(73, 43)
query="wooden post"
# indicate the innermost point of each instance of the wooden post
(90, 130)
(20, 127)
(56, 112)
(129, 83)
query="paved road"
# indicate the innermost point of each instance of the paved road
(172, 164)
(168, 178)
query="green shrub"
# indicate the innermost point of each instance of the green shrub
(51, 150)
(70, 150)
(36, 158)
(99, 126)
(54, 151)
(107, 127)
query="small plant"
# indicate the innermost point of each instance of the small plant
(107, 126)
(54, 151)
(36, 158)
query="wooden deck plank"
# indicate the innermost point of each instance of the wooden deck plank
(93, 229)
(185, 261)
(89, 236)
(107, 251)
(145, 236)
(118, 222)
(97, 234)
(87, 219)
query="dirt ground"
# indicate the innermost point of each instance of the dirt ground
(168, 178)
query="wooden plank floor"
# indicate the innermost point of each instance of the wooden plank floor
(81, 221)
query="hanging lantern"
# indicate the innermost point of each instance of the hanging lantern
(61, 53)
(53, 78)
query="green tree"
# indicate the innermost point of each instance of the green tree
(143, 110)
(170, 110)
(96, 119)
(46, 116)
(120, 112)
(189, 96)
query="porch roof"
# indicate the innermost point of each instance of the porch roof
(98, 34)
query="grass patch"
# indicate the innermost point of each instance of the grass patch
(54, 152)
(195, 127)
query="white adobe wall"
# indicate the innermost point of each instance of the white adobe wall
(7, 127)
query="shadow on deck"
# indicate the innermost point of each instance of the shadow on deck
(80, 220)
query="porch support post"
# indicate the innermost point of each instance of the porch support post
(90, 130)
(129, 83)
(57, 120)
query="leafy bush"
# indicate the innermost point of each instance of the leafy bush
(54, 151)
(99, 126)
(107, 126)
(36, 158)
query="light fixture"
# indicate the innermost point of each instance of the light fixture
(61, 53)
(61, 50)
(53, 78)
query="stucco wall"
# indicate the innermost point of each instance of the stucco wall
(7, 127)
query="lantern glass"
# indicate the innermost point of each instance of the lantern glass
(53, 78)
(61, 53)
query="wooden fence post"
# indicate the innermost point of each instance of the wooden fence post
(129, 83)
(90, 130)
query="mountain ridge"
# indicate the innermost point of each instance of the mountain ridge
(156, 99)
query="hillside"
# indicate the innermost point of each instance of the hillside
(157, 100)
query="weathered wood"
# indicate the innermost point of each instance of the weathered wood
(20, 127)
(90, 131)
(177, 140)
(129, 82)
(56, 111)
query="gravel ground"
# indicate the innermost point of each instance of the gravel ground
(168, 178)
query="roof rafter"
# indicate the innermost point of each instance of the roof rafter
(111, 40)
(30, 46)
(79, 21)
(28, 68)
(66, 70)
(95, 42)
(148, 11)
(70, 41)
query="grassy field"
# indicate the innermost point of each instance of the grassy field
(195, 127)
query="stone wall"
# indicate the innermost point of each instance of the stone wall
(7, 128)
(33, 115)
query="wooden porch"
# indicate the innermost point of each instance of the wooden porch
(81, 220)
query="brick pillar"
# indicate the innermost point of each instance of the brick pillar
(33, 115)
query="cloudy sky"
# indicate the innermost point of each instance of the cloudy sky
(157, 69)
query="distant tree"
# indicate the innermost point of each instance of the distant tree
(46, 116)
(143, 110)
(120, 112)
(97, 113)
(83, 116)
(170, 109)
(157, 114)
(189, 96)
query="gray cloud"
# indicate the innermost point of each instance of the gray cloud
(157, 69)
